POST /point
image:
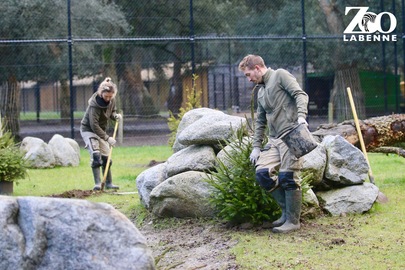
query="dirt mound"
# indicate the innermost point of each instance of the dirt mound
(191, 244)
(76, 193)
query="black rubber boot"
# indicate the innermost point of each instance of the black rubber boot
(108, 181)
(97, 181)
(279, 195)
(293, 199)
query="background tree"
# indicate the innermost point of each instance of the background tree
(327, 53)
(345, 59)
(346, 70)
(168, 18)
(273, 30)
(42, 20)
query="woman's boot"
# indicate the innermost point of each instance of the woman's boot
(96, 175)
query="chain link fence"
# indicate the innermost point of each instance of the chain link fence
(53, 55)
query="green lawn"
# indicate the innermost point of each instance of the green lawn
(128, 163)
(375, 240)
(47, 115)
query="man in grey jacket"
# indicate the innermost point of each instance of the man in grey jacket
(281, 106)
(93, 128)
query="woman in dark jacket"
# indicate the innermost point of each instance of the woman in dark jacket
(93, 128)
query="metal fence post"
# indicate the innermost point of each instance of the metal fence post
(72, 119)
(304, 45)
(192, 38)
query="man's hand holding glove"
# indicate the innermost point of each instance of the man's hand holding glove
(301, 120)
(111, 141)
(254, 156)
(118, 117)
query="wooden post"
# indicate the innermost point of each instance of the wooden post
(330, 112)
(120, 130)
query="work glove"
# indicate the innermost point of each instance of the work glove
(254, 156)
(111, 141)
(301, 120)
(267, 147)
(118, 117)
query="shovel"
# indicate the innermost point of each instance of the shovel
(381, 197)
(356, 121)
(107, 167)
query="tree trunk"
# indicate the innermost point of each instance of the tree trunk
(344, 78)
(175, 98)
(64, 101)
(135, 97)
(382, 131)
(345, 75)
(131, 92)
(10, 107)
(110, 70)
(334, 17)
(391, 150)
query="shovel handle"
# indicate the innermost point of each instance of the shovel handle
(107, 167)
(356, 121)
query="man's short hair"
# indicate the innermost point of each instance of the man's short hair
(250, 61)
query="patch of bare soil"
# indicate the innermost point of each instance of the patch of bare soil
(188, 244)
(193, 244)
(76, 193)
(198, 244)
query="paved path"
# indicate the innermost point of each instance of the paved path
(137, 132)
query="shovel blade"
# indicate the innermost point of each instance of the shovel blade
(381, 198)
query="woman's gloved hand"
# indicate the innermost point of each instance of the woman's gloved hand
(118, 117)
(111, 141)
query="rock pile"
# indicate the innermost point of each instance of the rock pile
(59, 151)
(177, 188)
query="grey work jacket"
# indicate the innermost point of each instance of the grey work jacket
(280, 101)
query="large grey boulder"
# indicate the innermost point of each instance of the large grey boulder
(349, 200)
(192, 158)
(183, 195)
(346, 164)
(230, 150)
(194, 115)
(148, 180)
(310, 198)
(189, 118)
(59, 151)
(314, 163)
(50, 233)
(206, 127)
(37, 153)
(65, 154)
(75, 146)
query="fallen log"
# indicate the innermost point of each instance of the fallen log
(390, 150)
(378, 132)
